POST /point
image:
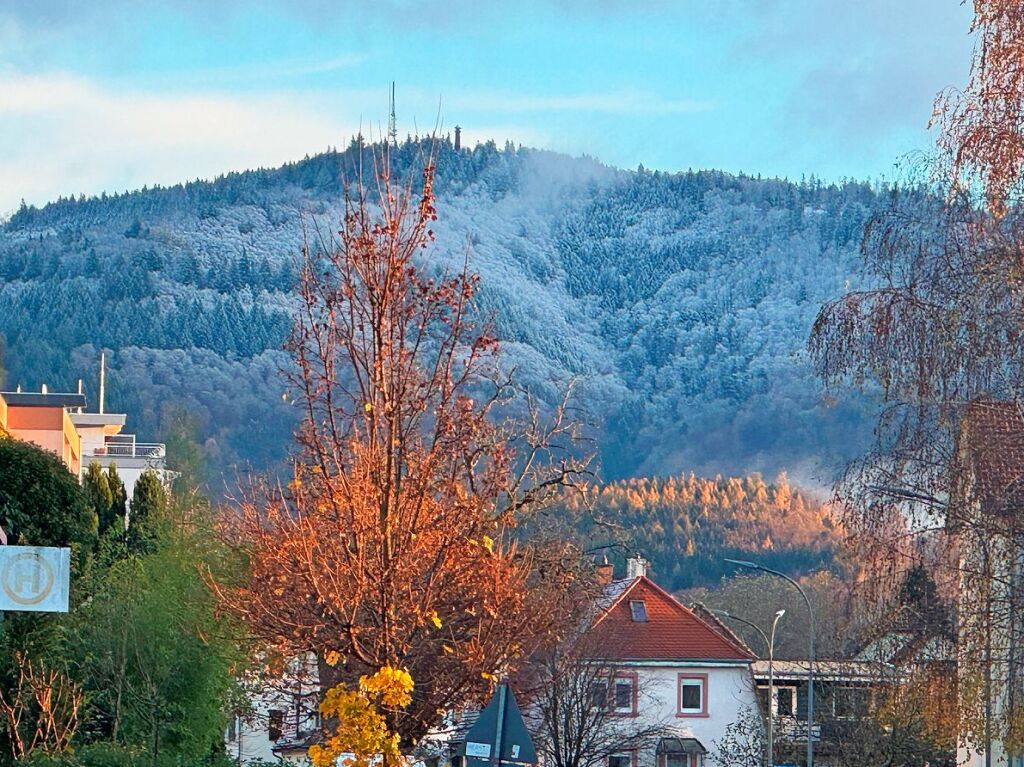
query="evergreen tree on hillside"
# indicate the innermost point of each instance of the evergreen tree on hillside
(149, 507)
(118, 495)
(99, 495)
(686, 524)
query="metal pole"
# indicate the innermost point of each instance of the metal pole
(502, 694)
(810, 659)
(771, 690)
(770, 644)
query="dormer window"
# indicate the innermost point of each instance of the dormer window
(638, 610)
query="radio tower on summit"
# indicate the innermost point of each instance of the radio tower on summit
(392, 122)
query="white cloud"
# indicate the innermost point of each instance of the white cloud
(69, 135)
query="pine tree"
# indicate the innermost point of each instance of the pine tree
(149, 505)
(100, 498)
(118, 495)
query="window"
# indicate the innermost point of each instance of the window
(680, 760)
(693, 695)
(623, 695)
(785, 701)
(275, 724)
(638, 609)
(620, 760)
(599, 694)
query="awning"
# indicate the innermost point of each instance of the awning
(680, 746)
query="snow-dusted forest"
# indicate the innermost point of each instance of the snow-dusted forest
(681, 302)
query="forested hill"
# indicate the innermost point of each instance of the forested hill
(684, 525)
(681, 302)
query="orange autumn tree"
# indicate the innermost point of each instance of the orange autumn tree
(393, 546)
(981, 136)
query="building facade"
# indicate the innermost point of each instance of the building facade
(694, 678)
(58, 422)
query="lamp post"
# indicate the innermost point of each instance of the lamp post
(810, 659)
(769, 641)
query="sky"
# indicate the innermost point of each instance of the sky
(109, 95)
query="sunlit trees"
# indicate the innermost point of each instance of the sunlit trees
(393, 545)
(685, 524)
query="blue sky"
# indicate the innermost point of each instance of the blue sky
(110, 95)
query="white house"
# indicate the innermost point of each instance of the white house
(104, 443)
(282, 719)
(985, 510)
(695, 676)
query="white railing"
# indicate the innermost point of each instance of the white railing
(147, 450)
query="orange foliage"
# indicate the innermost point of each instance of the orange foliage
(392, 544)
(982, 126)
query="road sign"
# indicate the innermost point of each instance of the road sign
(34, 578)
(499, 737)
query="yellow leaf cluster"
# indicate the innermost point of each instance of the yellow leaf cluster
(392, 685)
(361, 731)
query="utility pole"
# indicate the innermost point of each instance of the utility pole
(769, 641)
(810, 660)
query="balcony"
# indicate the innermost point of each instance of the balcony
(125, 446)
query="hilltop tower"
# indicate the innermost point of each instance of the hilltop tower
(458, 138)
(392, 121)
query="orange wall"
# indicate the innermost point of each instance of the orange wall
(35, 418)
(51, 429)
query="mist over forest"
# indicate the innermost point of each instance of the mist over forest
(680, 302)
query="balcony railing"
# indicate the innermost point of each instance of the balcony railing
(132, 449)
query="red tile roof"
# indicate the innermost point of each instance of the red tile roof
(671, 632)
(992, 443)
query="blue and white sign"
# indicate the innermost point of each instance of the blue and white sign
(34, 578)
(479, 750)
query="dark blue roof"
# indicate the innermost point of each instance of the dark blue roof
(38, 399)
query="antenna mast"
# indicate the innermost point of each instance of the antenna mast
(392, 122)
(103, 376)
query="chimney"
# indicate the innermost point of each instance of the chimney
(80, 391)
(458, 138)
(636, 566)
(604, 572)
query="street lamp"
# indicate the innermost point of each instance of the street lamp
(810, 659)
(770, 642)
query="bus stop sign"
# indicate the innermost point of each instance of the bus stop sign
(499, 735)
(34, 578)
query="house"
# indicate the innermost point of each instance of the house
(849, 693)
(668, 670)
(282, 719)
(58, 422)
(985, 511)
(44, 419)
(695, 676)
